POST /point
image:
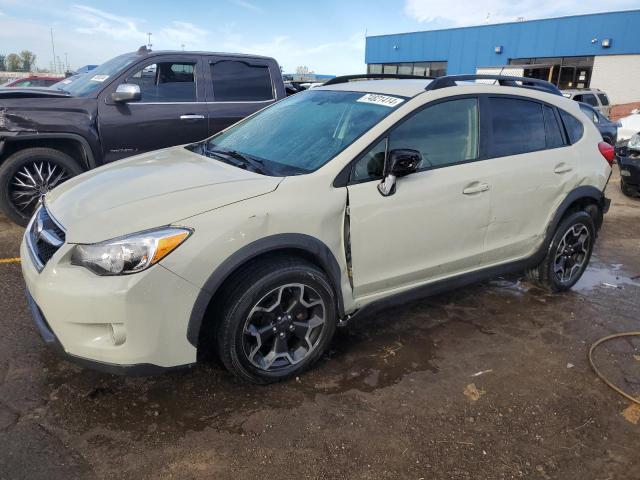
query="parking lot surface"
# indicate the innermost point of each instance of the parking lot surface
(490, 381)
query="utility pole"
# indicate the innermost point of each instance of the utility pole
(149, 45)
(66, 61)
(53, 49)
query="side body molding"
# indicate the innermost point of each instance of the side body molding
(307, 244)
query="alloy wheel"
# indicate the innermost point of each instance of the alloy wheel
(572, 253)
(32, 181)
(284, 327)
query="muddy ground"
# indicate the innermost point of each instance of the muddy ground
(486, 382)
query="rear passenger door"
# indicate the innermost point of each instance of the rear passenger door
(531, 171)
(236, 88)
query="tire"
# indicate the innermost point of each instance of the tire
(625, 190)
(545, 275)
(255, 302)
(55, 167)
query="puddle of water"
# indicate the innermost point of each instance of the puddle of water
(606, 277)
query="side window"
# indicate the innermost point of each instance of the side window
(572, 125)
(553, 131)
(445, 133)
(166, 82)
(578, 98)
(603, 99)
(518, 126)
(371, 164)
(590, 99)
(235, 81)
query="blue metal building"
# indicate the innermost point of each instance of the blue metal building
(573, 52)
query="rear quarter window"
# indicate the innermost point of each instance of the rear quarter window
(603, 99)
(572, 125)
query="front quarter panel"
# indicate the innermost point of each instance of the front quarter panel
(298, 206)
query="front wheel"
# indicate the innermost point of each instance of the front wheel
(27, 175)
(278, 318)
(568, 255)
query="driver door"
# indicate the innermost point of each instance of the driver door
(171, 110)
(433, 225)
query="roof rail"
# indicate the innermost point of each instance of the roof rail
(503, 80)
(374, 76)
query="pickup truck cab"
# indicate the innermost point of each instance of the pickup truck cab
(134, 103)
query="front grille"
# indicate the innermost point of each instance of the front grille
(46, 236)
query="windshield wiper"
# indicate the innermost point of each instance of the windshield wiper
(256, 164)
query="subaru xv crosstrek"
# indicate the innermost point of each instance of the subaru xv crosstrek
(259, 241)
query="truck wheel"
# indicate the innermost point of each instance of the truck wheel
(27, 175)
(568, 254)
(277, 320)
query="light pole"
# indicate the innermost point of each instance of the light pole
(149, 45)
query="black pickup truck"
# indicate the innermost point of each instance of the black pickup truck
(131, 104)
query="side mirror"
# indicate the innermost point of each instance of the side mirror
(126, 92)
(401, 162)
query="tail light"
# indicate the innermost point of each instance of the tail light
(607, 151)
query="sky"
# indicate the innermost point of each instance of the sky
(327, 36)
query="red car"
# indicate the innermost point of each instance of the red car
(32, 81)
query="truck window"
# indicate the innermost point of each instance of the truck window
(236, 81)
(166, 82)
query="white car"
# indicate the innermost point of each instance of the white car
(629, 126)
(259, 241)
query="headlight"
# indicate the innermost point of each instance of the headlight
(634, 142)
(131, 253)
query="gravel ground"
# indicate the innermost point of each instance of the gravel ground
(486, 382)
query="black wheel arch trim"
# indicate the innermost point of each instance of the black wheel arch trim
(317, 249)
(90, 161)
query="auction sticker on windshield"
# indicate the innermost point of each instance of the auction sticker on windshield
(99, 78)
(385, 100)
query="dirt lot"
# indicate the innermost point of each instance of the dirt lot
(487, 382)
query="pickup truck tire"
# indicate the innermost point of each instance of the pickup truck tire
(277, 319)
(28, 174)
(568, 254)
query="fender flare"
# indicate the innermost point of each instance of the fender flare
(578, 193)
(88, 152)
(285, 241)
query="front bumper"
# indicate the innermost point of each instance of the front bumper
(132, 324)
(630, 168)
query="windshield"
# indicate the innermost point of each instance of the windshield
(303, 132)
(91, 81)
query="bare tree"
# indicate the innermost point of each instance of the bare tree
(3, 63)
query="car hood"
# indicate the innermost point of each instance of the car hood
(629, 126)
(149, 191)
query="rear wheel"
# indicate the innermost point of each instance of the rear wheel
(568, 254)
(29, 174)
(278, 319)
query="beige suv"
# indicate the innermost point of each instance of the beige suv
(261, 240)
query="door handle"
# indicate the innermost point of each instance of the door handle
(475, 188)
(191, 116)
(562, 168)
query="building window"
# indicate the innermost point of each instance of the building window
(564, 72)
(421, 69)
